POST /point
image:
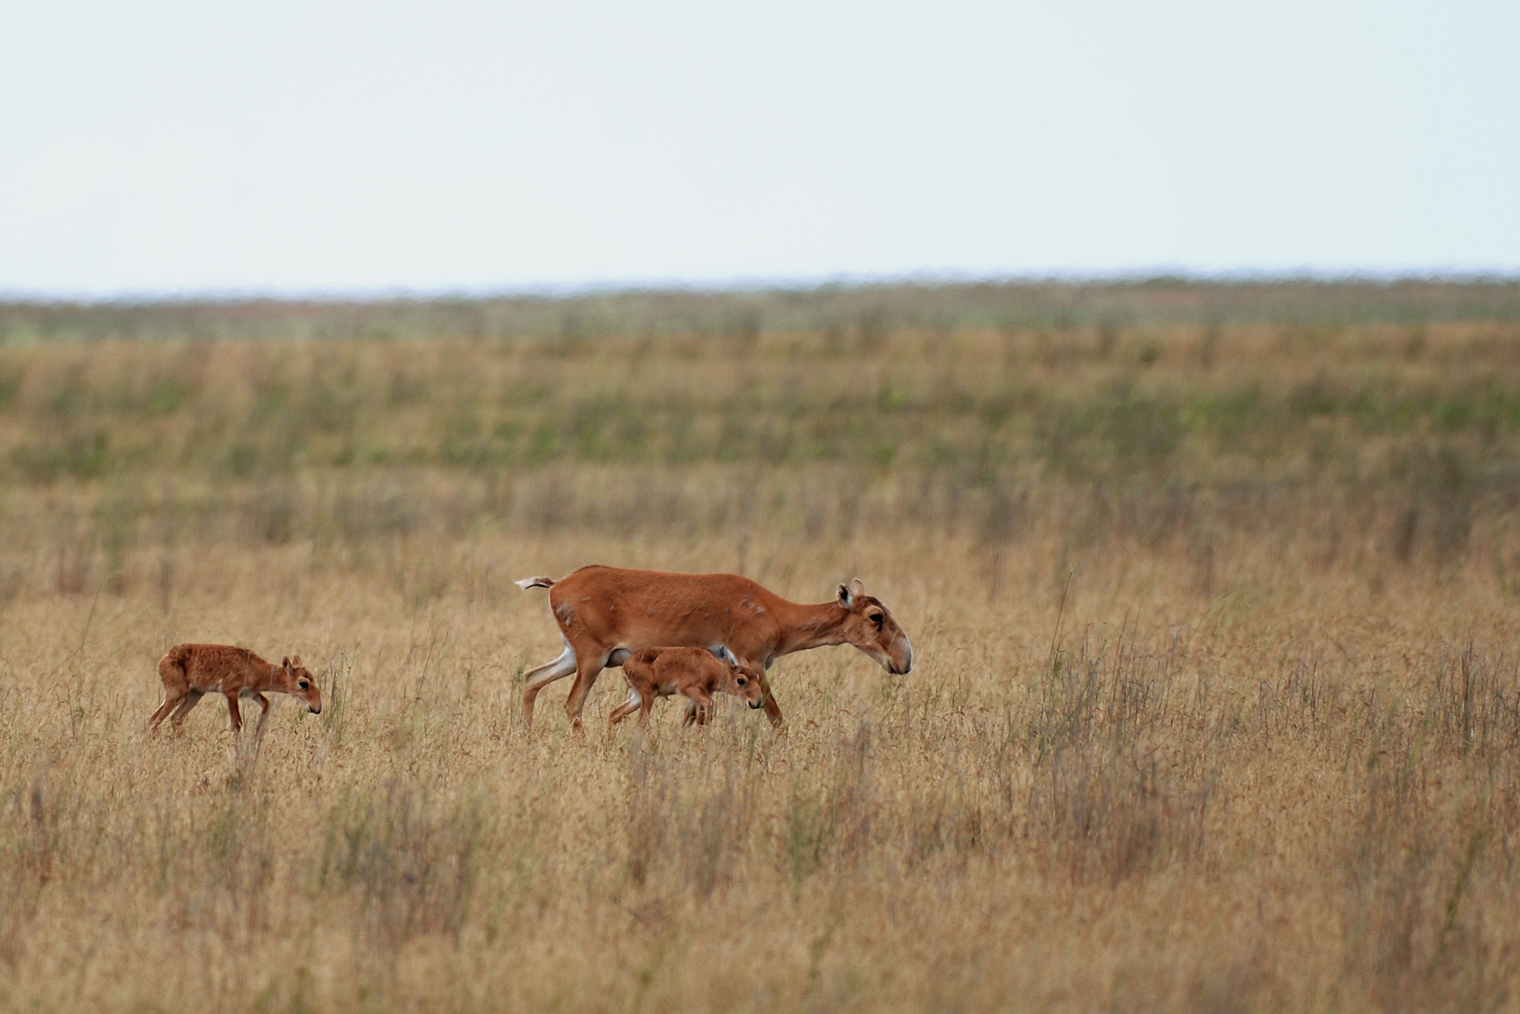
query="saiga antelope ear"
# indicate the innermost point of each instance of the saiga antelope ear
(728, 656)
(849, 595)
(295, 660)
(286, 663)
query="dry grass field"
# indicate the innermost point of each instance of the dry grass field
(1213, 594)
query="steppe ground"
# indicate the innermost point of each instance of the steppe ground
(1212, 590)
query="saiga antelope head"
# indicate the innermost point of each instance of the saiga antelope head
(744, 681)
(869, 626)
(300, 683)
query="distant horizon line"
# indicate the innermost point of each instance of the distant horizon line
(758, 285)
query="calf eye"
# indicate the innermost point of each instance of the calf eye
(742, 681)
(305, 685)
(876, 619)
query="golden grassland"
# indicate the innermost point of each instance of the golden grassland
(1215, 703)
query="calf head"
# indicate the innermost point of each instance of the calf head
(298, 682)
(743, 681)
(869, 626)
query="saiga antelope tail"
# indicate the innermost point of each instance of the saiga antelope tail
(535, 582)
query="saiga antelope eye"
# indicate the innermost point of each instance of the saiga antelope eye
(876, 619)
(742, 681)
(305, 685)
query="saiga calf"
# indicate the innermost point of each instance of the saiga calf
(694, 673)
(190, 671)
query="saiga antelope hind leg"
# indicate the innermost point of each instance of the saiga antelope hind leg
(182, 709)
(176, 689)
(586, 673)
(541, 677)
(698, 710)
(170, 700)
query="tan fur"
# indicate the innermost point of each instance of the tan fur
(607, 613)
(694, 673)
(190, 671)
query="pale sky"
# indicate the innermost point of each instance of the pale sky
(189, 148)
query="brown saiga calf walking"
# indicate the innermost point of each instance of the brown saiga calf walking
(694, 673)
(190, 671)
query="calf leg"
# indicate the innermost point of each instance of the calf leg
(627, 708)
(702, 702)
(186, 702)
(171, 698)
(263, 715)
(233, 714)
(176, 686)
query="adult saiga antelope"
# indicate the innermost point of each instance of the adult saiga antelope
(607, 613)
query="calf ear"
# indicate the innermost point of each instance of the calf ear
(846, 598)
(728, 656)
(857, 588)
(295, 660)
(286, 663)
